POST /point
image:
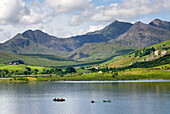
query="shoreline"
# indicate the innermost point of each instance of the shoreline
(88, 81)
(119, 81)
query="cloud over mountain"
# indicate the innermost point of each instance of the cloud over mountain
(128, 9)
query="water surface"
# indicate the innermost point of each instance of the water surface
(127, 97)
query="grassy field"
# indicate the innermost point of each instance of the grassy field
(128, 74)
(134, 74)
(22, 67)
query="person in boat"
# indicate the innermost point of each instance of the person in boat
(92, 101)
(56, 99)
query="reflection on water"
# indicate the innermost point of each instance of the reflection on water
(129, 98)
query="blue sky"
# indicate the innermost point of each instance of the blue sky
(65, 18)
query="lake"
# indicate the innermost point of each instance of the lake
(128, 97)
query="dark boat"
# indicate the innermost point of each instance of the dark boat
(92, 101)
(57, 99)
(106, 101)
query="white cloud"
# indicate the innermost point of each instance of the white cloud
(4, 36)
(36, 3)
(33, 17)
(128, 9)
(1, 30)
(166, 4)
(66, 6)
(11, 10)
(16, 12)
(93, 28)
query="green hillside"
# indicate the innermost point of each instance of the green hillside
(152, 56)
(44, 60)
(98, 51)
(38, 59)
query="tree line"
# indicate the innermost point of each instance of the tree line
(29, 71)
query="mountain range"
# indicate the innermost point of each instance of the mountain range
(115, 39)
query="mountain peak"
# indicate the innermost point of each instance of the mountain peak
(139, 23)
(157, 19)
(113, 30)
(156, 22)
(32, 31)
(37, 36)
(160, 23)
(143, 35)
(116, 21)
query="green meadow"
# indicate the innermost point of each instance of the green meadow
(155, 73)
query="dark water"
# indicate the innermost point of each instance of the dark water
(127, 98)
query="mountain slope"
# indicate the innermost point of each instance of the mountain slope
(143, 35)
(29, 41)
(113, 30)
(21, 45)
(97, 51)
(38, 42)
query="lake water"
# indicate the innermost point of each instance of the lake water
(127, 97)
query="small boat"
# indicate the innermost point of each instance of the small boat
(92, 101)
(106, 101)
(57, 99)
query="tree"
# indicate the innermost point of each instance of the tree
(36, 70)
(93, 69)
(82, 67)
(136, 53)
(5, 71)
(70, 70)
(115, 74)
(28, 68)
(25, 72)
(153, 49)
(45, 71)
